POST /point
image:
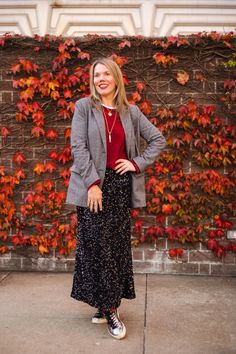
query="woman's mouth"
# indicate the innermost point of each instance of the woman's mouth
(103, 86)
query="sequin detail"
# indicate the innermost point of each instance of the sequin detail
(103, 272)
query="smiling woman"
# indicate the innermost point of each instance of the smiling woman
(107, 179)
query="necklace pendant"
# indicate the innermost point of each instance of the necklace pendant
(109, 113)
(109, 138)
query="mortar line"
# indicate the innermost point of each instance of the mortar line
(145, 317)
(4, 277)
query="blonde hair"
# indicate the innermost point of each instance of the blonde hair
(120, 99)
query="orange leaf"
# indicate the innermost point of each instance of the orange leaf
(39, 199)
(39, 168)
(15, 68)
(146, 107)
(39, 187)
(3, 235)
(38, 118)
(27, 94)
(55, 95)
(19, 173)
(136, 96)
(37, 131)
(65, 173)
(167, 209)
(28, 66)
(51, 134)
(83, 55)
(53, 155)
(67, 133)
(67, 93)
(50, 167)
(163, 59)
(43, 249)
(204, 120)
(19, 158)
(53, 85)
(64, 113)
(2, 172)
(49, 185)
(140, 86)
(182, 77)
(119, 60)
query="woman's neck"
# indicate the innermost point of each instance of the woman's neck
(108, 102)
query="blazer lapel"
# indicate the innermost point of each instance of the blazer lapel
(101, 125)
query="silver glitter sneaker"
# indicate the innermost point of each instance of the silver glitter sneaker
(99, 317)
(115, 326)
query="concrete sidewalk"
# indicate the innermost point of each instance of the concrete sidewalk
(172, 314)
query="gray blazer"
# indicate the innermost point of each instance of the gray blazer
(88, 145)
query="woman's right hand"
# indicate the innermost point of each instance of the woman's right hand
(95, 198)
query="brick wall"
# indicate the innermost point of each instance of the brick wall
(150, 258)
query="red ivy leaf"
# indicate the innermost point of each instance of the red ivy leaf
(39, 168)
(15, 68)
(37, 131)
(67, 133)
(53, 155)
(124, 44)
(51, 134)
(146, 107)
(50, 167)
(136, 96)
(5, 132)
(121, 61)
(140, 86)
(229, 84)
(84, 55)
(19, 158)
(67, 93)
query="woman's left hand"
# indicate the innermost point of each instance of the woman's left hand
(123, 166)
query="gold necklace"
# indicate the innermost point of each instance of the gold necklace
(109, 131)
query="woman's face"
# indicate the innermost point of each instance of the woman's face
(104, 81)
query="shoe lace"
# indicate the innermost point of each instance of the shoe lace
(114, 320)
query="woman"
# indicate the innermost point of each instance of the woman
(107, 179)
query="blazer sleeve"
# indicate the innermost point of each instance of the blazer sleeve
(83, 164)
(154, 138)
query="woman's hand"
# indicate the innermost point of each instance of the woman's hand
(123, 166)
(95, 199)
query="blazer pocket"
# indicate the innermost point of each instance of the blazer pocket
(74, 168)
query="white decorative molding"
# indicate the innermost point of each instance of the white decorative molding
(116, 17)
(184, 17)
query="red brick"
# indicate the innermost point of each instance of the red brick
(6, 85)
(7, 96)
(204, 269)
(137, 254)
(148, 267)
(230, 258)
(181, 268)
(203, 256)
(223, 269)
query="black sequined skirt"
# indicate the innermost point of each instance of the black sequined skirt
(103, 272)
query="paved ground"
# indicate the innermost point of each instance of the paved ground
(172, 314)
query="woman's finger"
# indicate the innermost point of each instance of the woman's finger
(100, 204)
